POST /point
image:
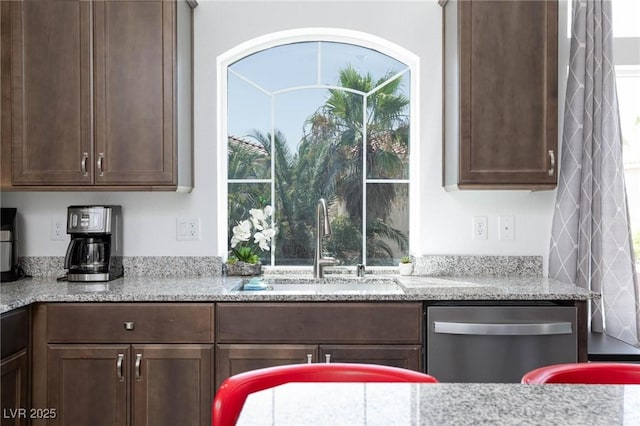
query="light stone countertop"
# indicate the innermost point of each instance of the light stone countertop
(443, 404)
(217, 289)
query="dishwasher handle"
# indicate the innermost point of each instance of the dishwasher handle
(498, 329)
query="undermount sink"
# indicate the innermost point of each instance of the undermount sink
(332, 285)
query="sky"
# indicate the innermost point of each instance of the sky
(253, 80)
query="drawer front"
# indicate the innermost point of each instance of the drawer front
(319, 323)
(130, 323)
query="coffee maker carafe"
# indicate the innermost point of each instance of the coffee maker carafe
(95, 250)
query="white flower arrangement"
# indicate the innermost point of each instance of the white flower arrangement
(241, 248)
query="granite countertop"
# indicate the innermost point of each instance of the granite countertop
(443, 404)
(213, 289)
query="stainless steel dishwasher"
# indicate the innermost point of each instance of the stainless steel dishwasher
(498, 344)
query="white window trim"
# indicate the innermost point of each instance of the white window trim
(337, 35)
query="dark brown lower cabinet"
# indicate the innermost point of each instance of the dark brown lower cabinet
(15, 389)
(15, 367)
(173, 385)
(123, 363)
(89, 384)
(151, 384)
(237, 358)
(258, 335)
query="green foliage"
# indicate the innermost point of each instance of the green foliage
(328, 164)
(244, 254)
(346, 239)
(636, 245)
(333, 141)
(405, 259)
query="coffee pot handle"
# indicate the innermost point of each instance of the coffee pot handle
(70, 249)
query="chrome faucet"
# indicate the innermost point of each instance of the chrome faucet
(360, 270)
(319, 261)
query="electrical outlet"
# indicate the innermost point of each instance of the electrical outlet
(188, 228)
(479, 227)
(507, 228)
(58, 229)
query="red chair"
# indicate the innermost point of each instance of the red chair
(234, 391)
(597, 373)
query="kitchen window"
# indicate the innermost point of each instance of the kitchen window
(626, 49)
(320, 113)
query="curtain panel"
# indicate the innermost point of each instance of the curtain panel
(591, 237)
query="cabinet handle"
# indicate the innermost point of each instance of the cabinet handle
(83, 163)
(552, 161)
(138, 367)
(100, 162)
(309, 358)
(129, 325)
(327, 358)
(499, 329)
(119, 367)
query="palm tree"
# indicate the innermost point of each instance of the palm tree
(294, 240)
(328, 164)
(332, 150)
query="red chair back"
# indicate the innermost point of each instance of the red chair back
(601, 373)
(234, 391)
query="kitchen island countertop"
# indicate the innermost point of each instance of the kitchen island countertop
(443, 404)
(224, 289)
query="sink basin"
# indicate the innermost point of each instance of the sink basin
(327, 285)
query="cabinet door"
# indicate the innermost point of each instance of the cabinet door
(14, 389)
(134, 92)
(88, 384)
(508, 93)
(403, 356)
(51, 92)
(14, 344)
(5, 95)
(237, 358)
(172, 384)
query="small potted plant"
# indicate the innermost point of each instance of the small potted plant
(244, 258)
(405, 267)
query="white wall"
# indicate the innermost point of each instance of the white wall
(150, 228)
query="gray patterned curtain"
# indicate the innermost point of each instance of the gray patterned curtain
(591, 237)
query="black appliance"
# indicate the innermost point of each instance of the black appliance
(11, 271)
(95, 250)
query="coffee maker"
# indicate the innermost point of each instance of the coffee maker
(11, 271)
(95, 250)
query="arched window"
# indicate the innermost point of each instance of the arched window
(315, 114)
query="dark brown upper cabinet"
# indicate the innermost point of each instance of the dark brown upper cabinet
(500, 94)
(93, 94)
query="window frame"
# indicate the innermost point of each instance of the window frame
(337, 35)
